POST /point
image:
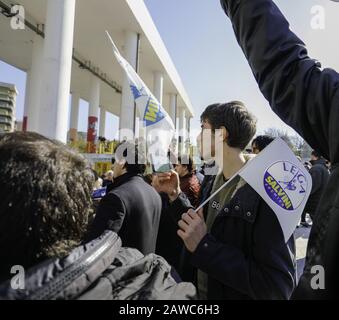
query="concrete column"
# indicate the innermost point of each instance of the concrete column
(27, 91)
(173, 108)
(93, 112)
(188, 130)
(33, 87)
(127, 115)
(102, 126)
(73, 132)
(57, 69)
(188, 126)
(182, 125)
(158, 87)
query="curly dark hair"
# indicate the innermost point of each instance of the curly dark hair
(45, 199)
(235, 117)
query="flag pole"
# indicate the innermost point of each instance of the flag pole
(112, 42)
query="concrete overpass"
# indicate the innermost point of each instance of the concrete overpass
(64, 50)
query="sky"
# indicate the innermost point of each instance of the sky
(202, 45)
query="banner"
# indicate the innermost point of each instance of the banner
(282, 182)
(158, 124)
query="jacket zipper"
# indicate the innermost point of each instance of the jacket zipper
(72, 272)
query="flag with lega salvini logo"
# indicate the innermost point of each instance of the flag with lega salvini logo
(282, 181)
(155, 118)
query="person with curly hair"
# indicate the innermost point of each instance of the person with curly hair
(45, 205)
(45, 199)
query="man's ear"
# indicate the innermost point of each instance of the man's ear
(224, 133)
(122, 163)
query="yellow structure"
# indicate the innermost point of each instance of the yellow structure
(102, 158)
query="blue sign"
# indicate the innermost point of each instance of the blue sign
(100, 193)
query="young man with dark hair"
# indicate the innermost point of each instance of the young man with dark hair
(235, 242)
(131, 207)
(305, 96)
(260, 143)
(45, 204)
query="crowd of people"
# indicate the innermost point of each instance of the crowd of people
(146, 225)
(221, 250)
(67, 247)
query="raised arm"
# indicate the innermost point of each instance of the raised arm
(302, 94)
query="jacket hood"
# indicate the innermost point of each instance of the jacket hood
(68, 277)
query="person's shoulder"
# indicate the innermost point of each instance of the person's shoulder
(112, 197)
(257, 210)
(140, 182)
(244, 193)
(250, 198)
(318, 169)
(137, 185)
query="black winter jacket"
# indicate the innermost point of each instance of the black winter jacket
(101, 270)
(320, 176)
(245, 255)
(132, 208)
(169, 245)
(306, 97)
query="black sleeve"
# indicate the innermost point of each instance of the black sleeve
(178, 207)
(110, 215)
(268, 273)
(316, 179)
(302, 94)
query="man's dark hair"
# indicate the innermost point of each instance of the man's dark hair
(316, 154)
(135, 158)
(235, 117)
(45, 199)
(261, 142)
(187, 161)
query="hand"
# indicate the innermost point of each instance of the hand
(192, 229)
(168, 183)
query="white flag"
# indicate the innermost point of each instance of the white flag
(156, 120)
(282, 181)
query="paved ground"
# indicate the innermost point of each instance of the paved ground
(301, 236)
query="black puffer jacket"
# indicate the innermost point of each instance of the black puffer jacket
(306, 97)
(101, 270)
